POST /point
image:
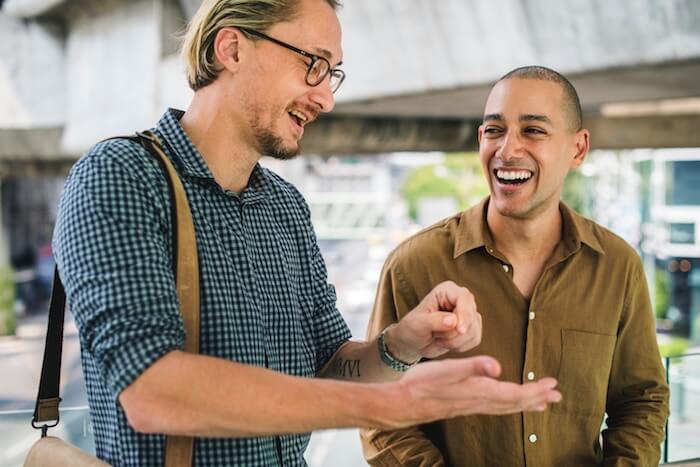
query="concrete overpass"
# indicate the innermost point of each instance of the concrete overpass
(75, 71)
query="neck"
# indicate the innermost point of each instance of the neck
(220, 139)
(532, 239)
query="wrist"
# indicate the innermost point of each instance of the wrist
(393, 352)
(386, 407)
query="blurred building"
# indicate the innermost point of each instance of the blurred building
(674, 234)
(73, 72)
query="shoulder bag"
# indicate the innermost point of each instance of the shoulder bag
(51, 451)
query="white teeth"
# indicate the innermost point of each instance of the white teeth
(513, 174)
(299, 115)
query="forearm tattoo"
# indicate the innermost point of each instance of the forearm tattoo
(346, 368)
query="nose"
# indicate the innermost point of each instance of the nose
(322, 95)
(510, 147)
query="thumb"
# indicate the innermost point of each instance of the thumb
(478, 366)
(441, 321)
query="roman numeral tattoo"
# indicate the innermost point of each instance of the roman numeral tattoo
(346, 368)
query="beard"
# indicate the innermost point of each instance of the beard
(273, 146)
(270, 144)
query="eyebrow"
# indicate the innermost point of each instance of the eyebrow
(535, 117)
(325, 54)
(322, 52)
(521, 118)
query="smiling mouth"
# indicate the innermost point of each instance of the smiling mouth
(299, 117)
(512, 177)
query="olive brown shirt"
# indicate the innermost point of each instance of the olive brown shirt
(588, 323)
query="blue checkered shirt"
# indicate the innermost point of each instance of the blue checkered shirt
(265, 299)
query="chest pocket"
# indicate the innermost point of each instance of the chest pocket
(584, 371)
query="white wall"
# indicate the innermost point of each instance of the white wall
(112, 56)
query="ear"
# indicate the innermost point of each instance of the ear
(582, 146)
(228, 48)
(480, 133)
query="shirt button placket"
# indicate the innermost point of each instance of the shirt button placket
(530, 365)
(530, 346)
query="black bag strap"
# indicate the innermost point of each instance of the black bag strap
(46, 408)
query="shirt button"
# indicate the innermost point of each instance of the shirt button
(532, 438)
(506, 268)
(531, 315)
(531, 376)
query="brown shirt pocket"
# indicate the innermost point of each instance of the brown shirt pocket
(584, 371)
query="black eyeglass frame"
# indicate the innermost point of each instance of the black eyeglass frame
(336, 73)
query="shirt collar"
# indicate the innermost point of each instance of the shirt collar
(192, 164)
(474, 232)
(180, 147)
(579, 230)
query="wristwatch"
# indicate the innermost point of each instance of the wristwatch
(391, 361)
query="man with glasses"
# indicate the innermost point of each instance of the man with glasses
(261, 70)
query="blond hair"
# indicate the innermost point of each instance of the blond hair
(198, 43)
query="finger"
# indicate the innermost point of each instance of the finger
(434, 350)
(547, 382)
(505, 397)
(447, 335)
(534, 395)
(455, 342)
(465, 310)
(445, 295)
(541, 403)
(441, 321)
(482, 365)
(471, 325)
(460, 370)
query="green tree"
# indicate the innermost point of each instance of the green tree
(7, 301)
(661, 288)
(459, 177)
(576, 192)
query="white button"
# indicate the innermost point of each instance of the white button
(531, 376)
(531, 315)
(506, 268)
(532, 438)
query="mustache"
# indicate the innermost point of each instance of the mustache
(311, 112)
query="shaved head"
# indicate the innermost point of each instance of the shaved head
(571, 102)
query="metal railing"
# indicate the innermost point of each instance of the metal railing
(683, 425)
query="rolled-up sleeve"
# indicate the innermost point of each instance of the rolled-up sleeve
(329, 328)
(112, 248)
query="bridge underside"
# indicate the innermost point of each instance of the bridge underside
(637, 107)
(422, 89)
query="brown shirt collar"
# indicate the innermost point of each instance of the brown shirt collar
(474, 231)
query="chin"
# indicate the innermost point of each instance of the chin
(286, 152)
(283, 156)
(508, 208)
(274, 146)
